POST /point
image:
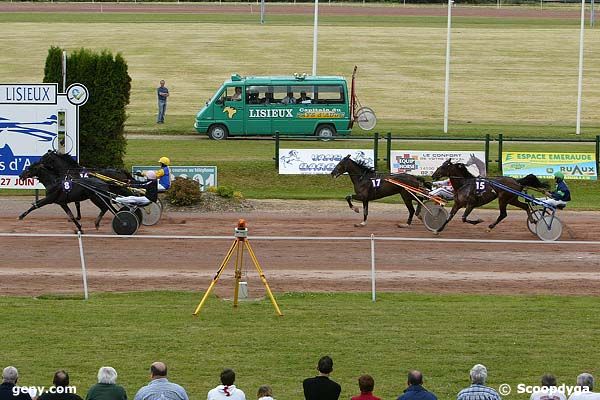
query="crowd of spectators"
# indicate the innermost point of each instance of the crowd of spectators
(320, 387)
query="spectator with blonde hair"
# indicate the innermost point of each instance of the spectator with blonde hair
(106, 388)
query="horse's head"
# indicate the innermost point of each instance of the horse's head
(33, 171)
(443, 170)
(341, 167)
(58, 162)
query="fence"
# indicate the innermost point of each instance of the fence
(486, 140)
(372, 239)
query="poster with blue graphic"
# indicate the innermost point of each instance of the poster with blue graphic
(35, 118)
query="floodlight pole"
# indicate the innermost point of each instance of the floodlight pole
(447, 84)
(315, 35)
(580, 82)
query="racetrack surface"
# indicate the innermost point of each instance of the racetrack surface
(32, 266)
(293, 9)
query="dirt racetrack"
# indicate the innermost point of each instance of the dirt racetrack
(39, 265)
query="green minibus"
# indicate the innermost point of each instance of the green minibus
(292, 105)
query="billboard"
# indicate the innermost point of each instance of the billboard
(573, 165)
(318, 161)
(205, 175)
(425, 162)
(35, 118)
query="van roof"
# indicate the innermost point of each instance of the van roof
(284, 80)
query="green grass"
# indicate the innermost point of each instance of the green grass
(517, 337)
(511, 75)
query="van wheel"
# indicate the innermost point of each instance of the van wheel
(218, 132)
(325, 132)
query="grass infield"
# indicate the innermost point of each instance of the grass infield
(518, 338)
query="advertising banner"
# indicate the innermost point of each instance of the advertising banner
(206, 176)
(318, 161)
(425, 162)
(544, 165)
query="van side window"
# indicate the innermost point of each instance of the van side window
(256, 94)
(305, 94)
(329, 94)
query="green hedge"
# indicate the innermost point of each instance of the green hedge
(102, 119)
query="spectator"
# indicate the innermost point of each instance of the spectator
(106, 388)
(159, 387)
(304, 99)
(586, 382)
(321, 387)
(366, 385)
(227, 390)
(10, 376)
(162, 93)
(289, 99)
(265, 393)
(60, 380)
(548, 390)
(478, 390)
(237, 96)
(415, 389)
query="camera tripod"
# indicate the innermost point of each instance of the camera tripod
(241, 241)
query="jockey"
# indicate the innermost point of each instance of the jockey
(164, 174)
(151, 194)
(561, 195)
(443, 189)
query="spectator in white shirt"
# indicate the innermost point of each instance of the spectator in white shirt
(227, 390)
(586, 382)
(548, 391)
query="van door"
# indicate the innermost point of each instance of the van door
(258, 110)
(230, 110)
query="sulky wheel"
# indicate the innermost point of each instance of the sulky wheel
(366, 119)
(536, 215)
(549, 228)
(125, 223)
(151, 214)
(434, 217)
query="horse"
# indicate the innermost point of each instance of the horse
(63, 164)
(369, 185)
(56, 192)
(471, 192)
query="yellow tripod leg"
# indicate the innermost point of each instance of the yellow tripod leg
(263, 278)
(238, 272)
(216, 278)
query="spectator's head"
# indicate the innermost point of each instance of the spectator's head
(107, 375)
(61, 378)
(162, 83)
(238, 89)
(548, 380)
(366, 383)
(10, 375)
(290, 94)
(158, 370)
(415, 378)
(478, 374)
(264, 390)
(227, 377)
(325, 365)
(303, 94)
(586, 380)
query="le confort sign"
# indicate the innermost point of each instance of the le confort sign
(35, 118)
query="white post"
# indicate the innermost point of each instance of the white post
(315, 34)
(64, 71)
(83, 271)
(262, 11)
(372, 267)
(447, 83)
(580, 83)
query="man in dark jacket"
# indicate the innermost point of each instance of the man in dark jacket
(9, 389)
(561, 195)
(415, 389)
(321, 387)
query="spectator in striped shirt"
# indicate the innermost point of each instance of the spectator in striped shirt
(478, 390)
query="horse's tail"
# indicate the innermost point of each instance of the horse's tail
(532, 181)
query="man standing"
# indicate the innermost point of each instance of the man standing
(163, 93)
(321, 387)
(160, 387)
(415, 389)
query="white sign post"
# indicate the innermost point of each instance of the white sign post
(35, 118)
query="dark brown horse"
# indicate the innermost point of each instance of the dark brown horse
(471, 192)
(369, 185)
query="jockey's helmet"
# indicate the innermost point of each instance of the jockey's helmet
(559, 175)
(164, 160)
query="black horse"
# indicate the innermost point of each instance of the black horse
(471, 192)
(62, 191)
(63, 164)
(369, 185)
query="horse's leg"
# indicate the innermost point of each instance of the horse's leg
(78, 208)
(513, 200)
(349, 200)
(365, 214)
(71, 216)
(457, 206)
(40, 203)
(407, 197)
(468, 210)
